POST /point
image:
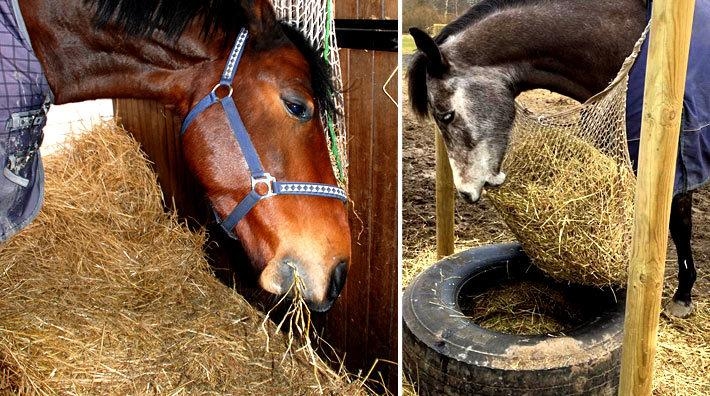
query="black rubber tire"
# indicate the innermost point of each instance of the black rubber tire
(444, 353)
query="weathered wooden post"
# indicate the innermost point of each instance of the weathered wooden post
(665, 84)
(445, 192)
(445, 197)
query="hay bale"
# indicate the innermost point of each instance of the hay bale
(106, 294)
(570, 206)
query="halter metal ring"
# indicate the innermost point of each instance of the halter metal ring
(220, 84)
(265, 179)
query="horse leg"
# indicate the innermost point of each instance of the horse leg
(681, 226)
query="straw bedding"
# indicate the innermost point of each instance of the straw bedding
(106, 294)
(682, 359)
(570, 206)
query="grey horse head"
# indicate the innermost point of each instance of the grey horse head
(473, 107)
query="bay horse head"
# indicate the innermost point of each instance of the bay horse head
(472, 106)
(289, 214)
(176, 52)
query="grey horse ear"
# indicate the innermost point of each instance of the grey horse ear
(437, 65)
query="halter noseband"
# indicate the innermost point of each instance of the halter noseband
(259, 177)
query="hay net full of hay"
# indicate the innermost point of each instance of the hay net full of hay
(569, 191)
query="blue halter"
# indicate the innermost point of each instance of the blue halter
(259, 177)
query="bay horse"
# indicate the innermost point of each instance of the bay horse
(468, 76)
(264, 167)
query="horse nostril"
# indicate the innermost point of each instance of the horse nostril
(337, 280)
(286, 273)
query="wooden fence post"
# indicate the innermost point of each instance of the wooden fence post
(444, 201)
(665, 84)
(445, 191)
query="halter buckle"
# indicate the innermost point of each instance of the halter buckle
(230, 90)
(265, 179)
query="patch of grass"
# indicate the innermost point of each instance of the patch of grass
(408, 46)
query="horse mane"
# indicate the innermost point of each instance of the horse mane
(141, 17)
(221, 18)
(418, 95)
(477, 13)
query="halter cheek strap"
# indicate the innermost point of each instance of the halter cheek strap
(263, 185)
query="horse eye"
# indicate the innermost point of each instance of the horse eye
(297, 110)
(447, 117)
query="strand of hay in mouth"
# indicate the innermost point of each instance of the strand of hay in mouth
(302, 337)
(569, 204)
(106, 294)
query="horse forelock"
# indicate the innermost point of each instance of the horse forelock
(416, 84)
(320, 70)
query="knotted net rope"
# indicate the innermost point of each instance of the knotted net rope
(569, 191)
(314, 18)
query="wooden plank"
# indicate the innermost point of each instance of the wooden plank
(665, 84)
(370, 9)
(366, 9)
(369, 300)
(445, 197)
(382, 330)
(346, 9)
(360, 130)
(390, 9)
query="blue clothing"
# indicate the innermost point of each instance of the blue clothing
(24, 101)
(693, 162)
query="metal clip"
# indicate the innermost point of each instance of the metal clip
(230, 90)
(265, 179)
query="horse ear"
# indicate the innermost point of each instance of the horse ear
(437, 63)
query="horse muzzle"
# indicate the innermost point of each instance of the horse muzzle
(471, 192)
(318, 285)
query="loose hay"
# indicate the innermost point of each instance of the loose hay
(523, 307)
(682, 359)
(106, 294)
(570, 206)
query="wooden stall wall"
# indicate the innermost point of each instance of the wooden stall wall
(363, 323)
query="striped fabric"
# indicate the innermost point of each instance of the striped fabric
(24, 101)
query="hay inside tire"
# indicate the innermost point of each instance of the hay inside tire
(445, 352)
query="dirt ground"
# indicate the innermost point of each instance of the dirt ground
(480, 224)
